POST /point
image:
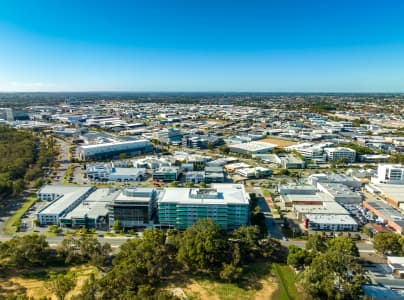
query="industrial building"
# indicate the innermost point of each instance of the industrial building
(252, 148)
(390, 216)
(331, 222)
(133, 207)
(106, 150)
(340, 193)
(63, 200)
(334, 178)
(226, 204)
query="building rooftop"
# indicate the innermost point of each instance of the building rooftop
(69, 194)
(331, 219)
(218, 194)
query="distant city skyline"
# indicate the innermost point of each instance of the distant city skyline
(202, 46)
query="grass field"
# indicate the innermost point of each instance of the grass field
(257, 283)
(10, 226)
(278, 141)
(286, 277)
(34, 283)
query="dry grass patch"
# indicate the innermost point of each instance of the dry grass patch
(278, 141)
(35, 283)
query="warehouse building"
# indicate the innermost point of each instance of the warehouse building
(340, 193)
(331, 222)
(63, 200)
(252, 148)
(106, 150)
(226, 204)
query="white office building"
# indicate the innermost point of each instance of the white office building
(390, 174)
(63, 200)
(338, 153)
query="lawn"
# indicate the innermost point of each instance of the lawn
(286, 277)
(10, 226)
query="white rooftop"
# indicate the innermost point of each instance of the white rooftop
(331, 219)
(221, 194)
(69, 194)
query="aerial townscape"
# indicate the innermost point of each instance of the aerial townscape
(201, 150)
(204, 190)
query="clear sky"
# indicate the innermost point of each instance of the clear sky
(202, 45)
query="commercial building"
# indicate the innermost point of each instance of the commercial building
(166, 174)
(257, 172)
(108, 172)
(105, 150)
(63, 200)
(311, 152)
(391, 193)
(226, 204)
(390, 216)
(133, 207)
(252, 148)
(334, 178)
(389, 174)
(331, 222)
(195, 177)
(92, 212)
(214, 174)
(291, 161)
(340, 193)
(339, 153)
(169, 136)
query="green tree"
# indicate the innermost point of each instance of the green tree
(247, 239)
(201, 246)
(61, 285)
(344, 245)
(316, 242)
(387, 243)
(298, 257)
(139, 262)
(25, 251)
(117, 226)
(231, 273)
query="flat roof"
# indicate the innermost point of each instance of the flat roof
(331, 219)
(331, 207)
(254, 146)
(69, 196)
(218, 194)
(395, 191)
(114, 144)
(387, 212)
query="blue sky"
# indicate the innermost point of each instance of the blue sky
(278, 46)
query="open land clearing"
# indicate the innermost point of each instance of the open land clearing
(278, 141)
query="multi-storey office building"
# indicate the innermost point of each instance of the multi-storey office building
(389, 173)
(226, 204)
(63, 200)
(133, 207)
(338, 153)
